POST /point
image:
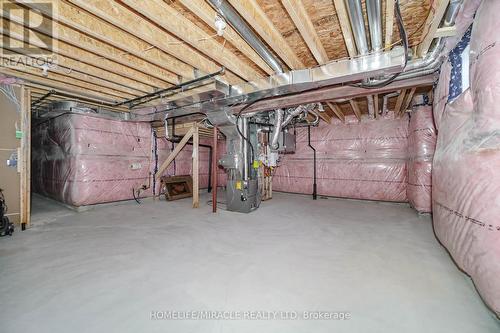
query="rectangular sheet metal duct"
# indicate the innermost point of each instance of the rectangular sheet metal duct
(336, 72)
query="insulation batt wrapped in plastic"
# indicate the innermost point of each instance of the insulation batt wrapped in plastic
(465, 176)
(365, 160)
(83, 160)
(421, 146)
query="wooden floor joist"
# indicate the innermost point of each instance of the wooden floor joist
(59, 84)
(207, 14)
(431, 25)
(100, 50)
(75, 22)
(399, 102)
(169, 19)
(345, 25)
(408, 100)
(336, 110)
(355, 109)
(142, 38)
(302, 21)
(258, 20)
(81, 60)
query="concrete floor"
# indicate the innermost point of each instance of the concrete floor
(107, 269)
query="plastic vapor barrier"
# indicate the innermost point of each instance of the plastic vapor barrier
(360, 160)
(421, 146)
(465, 176)
(83, 160)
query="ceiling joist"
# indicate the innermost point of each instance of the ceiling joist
(100, 49)
(301, 19)
(257, 19)
(169, 19)
(431, 25)
(207, 14)
(389, 23)
(336, 110)
(355, 109)
(345, 25)
(399, 102)
(74, 63)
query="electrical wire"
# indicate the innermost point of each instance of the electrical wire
(238, 116)
(8, 91)
(136, 198)
(404, 40)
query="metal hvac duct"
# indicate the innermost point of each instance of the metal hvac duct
(452, 12)
(237, 22)
(433, 59)
(355, 11)
(278, 120)
(374, 11)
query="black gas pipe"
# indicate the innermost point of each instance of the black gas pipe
(314, 163)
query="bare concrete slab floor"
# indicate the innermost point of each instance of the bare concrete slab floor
(107, 269)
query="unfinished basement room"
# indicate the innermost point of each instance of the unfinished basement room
(271, 166)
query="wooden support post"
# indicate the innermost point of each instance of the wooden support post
(376, 102)
(25, 158)
(173, 154)
(214, 172)
(196, 159)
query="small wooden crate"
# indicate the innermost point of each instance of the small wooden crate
(177, 187)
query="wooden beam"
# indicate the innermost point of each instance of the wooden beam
(355, 109)
(399, 102)
(431, 25)
(207, 14)
(446, 32)
(196, 174)
(345, 25)
(389, 23)
(325, 117)
(258, 20)
(36, 93)
(25, 158)
(58, 81)
(72, 78)
(408, 99)
(376, 102)
(301, 19)
(73, 71)
(78, 59)
(40, 81)
(174, 153)
(333, 93)
(336, 109)
(100, 50)
(169, 19)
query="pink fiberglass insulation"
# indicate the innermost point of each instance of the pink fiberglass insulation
(83, 160)
(361, 160)
(421, 147)
(465, 176)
